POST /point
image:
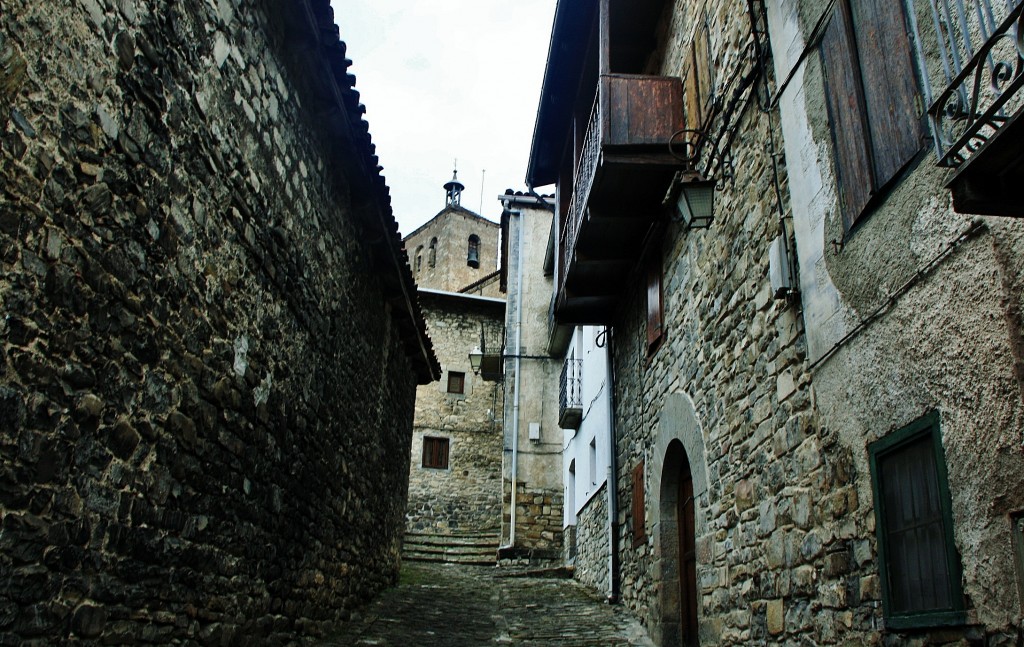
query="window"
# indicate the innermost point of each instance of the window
(473, 252)
(432, 253)
(655, 309)
(1017, 530)
(873, 99)
(639, 529)
(918, 562)
(593, 464)
(435, 453)
(419, 258)
(456, 382)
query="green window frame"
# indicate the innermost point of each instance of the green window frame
(919, 565)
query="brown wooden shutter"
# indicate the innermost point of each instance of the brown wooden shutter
(639, 518)
(846, 110)
(872, 94)
(890, 86)
(655, 312)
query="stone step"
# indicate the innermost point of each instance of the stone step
(451, 540)
(479, 548)
(440, 558)
(452, 548)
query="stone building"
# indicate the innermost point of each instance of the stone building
(912, 294)
(816, 401)
(210, 338)
(532, 494)
(456, 460)
(457, 250)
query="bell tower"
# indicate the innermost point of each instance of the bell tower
(453, 190)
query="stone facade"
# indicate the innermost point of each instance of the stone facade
(771, 409)
(914, 311)
(461, 304)
(592, 542)
(466, 494)
(439, 253)
(207, 380)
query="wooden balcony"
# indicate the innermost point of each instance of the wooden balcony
(623, 172)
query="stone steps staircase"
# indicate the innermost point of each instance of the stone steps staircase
(475, 548)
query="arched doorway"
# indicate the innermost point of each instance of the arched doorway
(678, 530)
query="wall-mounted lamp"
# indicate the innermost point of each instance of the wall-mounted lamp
(491, 366)
(695, 206)
(476, 356)
(694, 195)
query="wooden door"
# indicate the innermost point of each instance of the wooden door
(687, 558)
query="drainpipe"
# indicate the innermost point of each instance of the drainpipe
(515, 398)
(613, 507)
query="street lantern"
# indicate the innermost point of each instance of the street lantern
(695, 206)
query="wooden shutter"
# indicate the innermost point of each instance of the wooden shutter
(639, 518)
(697, 88)
(846, 110)
(872, 95)
(890, 86)
(655, 312)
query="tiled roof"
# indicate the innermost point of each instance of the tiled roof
(329, 91)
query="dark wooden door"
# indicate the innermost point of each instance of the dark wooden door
(687, 559)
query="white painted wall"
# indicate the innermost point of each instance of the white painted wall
(589, 446)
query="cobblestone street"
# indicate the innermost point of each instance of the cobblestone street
(463, 606)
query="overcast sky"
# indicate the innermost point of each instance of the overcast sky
(445, 80)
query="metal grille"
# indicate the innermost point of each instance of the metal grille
(583, 178)
(570, 394)
(982, 55)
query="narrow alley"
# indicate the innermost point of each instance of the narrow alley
(458, 605)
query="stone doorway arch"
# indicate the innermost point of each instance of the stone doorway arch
(679, 465)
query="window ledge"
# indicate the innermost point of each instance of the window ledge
(924, 621)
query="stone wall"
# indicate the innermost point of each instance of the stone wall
(729, 382)
(592, 542)
(467, 495)
(538, 520)
(205, 404)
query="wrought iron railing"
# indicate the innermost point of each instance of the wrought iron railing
(570, 394)
(583, 178)
(981, 45)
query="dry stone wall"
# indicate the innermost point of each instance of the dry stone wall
(205, 408)
(592, 542)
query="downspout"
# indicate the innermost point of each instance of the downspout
(519, 360)
(613, 508)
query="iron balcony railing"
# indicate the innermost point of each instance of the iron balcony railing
(583, 178)
(570, 394)
(981, 46)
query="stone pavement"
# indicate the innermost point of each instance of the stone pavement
(467, 606)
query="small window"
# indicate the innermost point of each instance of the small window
(655, 307)
(639, 521)
(419, 259)
(593, 462)
(918, 562)
(435, 453)
(432, 253)
(473, 252)
(456, 382)
(1017, 530)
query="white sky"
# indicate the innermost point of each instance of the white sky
(445, 80)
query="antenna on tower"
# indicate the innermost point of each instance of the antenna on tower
(483, 176)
